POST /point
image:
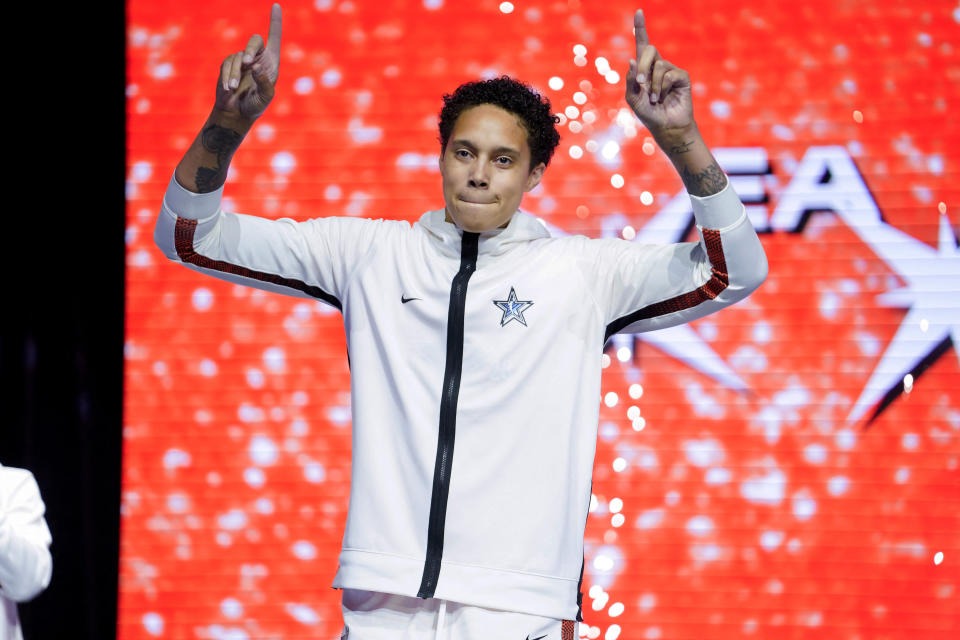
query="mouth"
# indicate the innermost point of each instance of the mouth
(470, 200)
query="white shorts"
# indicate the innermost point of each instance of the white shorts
(369, 615)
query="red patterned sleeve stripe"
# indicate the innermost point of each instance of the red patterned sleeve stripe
(719, 280)
(183, 242)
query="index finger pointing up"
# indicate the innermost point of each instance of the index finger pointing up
(273, 37)
(640, 32)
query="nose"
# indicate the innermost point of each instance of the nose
(479, 178)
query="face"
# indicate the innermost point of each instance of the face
(486, 168)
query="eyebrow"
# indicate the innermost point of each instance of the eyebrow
(497, 151)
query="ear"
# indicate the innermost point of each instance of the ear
(536, 174)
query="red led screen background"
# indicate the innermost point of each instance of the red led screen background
(786, 467)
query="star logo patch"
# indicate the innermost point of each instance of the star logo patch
(512, 308)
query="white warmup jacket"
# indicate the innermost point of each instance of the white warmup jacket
(475, 374)
(25, 561)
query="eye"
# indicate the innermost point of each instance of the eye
(504, 161)
(462, 153)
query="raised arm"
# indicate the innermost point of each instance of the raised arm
(244, 89)
(659, 94)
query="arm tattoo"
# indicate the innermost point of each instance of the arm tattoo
(222, 142)
(708, 182)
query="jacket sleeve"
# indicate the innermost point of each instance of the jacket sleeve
(311, 259)
(25, 561)
(648, 287)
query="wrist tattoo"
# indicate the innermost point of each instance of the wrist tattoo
(223, 143)
(683, 147)
(705, 183)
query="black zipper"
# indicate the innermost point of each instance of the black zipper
(448, 414)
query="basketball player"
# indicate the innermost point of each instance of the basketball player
(474, 341)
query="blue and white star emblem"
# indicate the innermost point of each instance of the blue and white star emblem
(512, 308)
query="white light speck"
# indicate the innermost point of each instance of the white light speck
(153, 623)
(178, 503)
(575, 127)
(633, 412)
(202, 299)
(304, 550)
(576, 152)
(617, 520)
(603, 563)
(804, 505)
(770, 540)
(613, 632)
(561, 119)
(594, 504)
(208, 368)
(592, 146)
(611, 399)
(303, 85)
(254, 477)
(924, 325)
(506, 7)
(163, 71)
(555, 83)
(617, 181)
(332, 192)
(908, 383)
(845, 439)
(699, 526)
(610, 149)
(233, 520)
(638, 424)
(636, 391)
(314, 472)
(275, 359)
(838, 485)
(331, 78)
(283, 162)
(615, 609)
(938, 557)
(588, 117)
(602, 64)
(604, 361)
(141, 171)
(430, 5)
(572, 112)
(174, 458)
(231, 608)
(580, 97)
(264, 506)
(857, 116)
(580, 61)
(646, 198)
(648, 148)
(612, 77)
(910, 441)
(619, 465)
(902, 475)
(624, 354)
(616, 505)
(263, 450)
(255, 378)
(579, 50)
(302, 613)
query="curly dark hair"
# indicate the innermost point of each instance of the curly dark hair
(513, 96)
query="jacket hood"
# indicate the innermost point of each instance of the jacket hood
(522, 228)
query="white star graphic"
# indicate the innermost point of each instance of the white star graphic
(931, 295)
(512, 308)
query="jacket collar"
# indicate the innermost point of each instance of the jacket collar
(523, 227)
